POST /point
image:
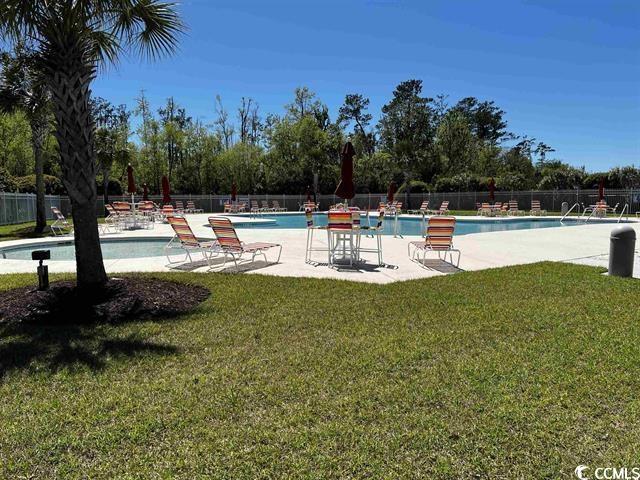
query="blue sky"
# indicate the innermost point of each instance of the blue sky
(566, 71)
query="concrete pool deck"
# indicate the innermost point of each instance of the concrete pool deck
(585, 244)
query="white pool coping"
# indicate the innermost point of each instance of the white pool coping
(586, 244)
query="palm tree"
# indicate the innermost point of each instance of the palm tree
(72, 38)
(22, 88)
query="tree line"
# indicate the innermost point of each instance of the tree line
(422, 143)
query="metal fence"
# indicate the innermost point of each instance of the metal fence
(21, 207)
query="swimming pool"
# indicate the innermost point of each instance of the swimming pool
(413, 226)
(111, 249)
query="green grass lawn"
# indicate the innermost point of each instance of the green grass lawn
(22, 230)
(521, 372)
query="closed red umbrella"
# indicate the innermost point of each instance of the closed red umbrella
(391, 193)
(166, 198)
(234, 191)
(345, 188)
(601, 189)
(145, 192)
(131, 184)
(492, 189)
(308, 193)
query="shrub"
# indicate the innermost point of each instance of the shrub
(52, 185)
(113, 188)
(417, 186)
(462, 182)
(7, 181)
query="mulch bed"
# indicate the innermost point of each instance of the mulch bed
(121, 299)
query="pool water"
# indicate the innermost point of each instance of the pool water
(111, 250)
(414, 226)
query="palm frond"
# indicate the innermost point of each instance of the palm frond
(151, 27)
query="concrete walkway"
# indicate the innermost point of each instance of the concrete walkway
(585, 244)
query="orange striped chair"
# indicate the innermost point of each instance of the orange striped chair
(340, 230)
(485, 209)
(255, 208)
(439, 238)
(185, 239)
(424, 207)
(443, 210)
(513, 208)
(536, 209)
(230, 244)
(191, 207)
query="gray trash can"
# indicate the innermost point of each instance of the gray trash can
(621, 251)
(564, 208)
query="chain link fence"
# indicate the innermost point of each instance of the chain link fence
(21, 207)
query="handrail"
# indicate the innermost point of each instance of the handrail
(625, 208)
(569, 211)
(593, 210)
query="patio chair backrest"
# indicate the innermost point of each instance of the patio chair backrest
(338, 220)
(440, 232)
(380, 218)
(265, 204)
(191, 205)
(276, 204)
(183, 231)
(145, 206)
(513, 205)
(355, 218)
(179, 205)
(535, 204)
(167, 209)
(58, 214)
(308, 213)
(122, 206)
(110, 209)
(485, 206)
(424, 205)
(497, 205)
(444, 206)
(225, 233)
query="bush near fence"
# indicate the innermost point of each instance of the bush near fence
(20, 207)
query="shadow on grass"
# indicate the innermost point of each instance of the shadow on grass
(24, 232)
(57, 348)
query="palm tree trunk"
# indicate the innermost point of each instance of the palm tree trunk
(38, 133)
(70, 81)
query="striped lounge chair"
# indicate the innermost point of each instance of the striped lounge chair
(113, 219)
(443, 210)
(266, 207)
(255, 207)
(485, 209)
(513, 208)
(277, 207)
(535, 208)
(231, 246)
(60, 225)
(185, 239)
(439, 239)
(424, 207)
(191, 207)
